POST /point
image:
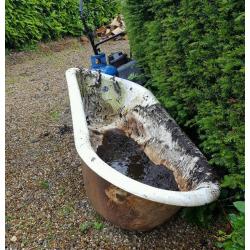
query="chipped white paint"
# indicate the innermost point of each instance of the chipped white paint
(133, 95)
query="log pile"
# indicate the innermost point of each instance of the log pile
(115, 27)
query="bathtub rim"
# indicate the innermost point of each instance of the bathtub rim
(205, 193)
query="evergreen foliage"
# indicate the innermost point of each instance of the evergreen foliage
(192, 52)
(29, 21)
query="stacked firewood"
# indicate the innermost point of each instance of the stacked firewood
(115, 27)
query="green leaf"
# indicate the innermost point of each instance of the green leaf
(240, 205)
(84, 227)
(98, 225)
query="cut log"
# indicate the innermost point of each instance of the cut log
(115, 22)
(117, 31)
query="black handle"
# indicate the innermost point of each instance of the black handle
(81, 7)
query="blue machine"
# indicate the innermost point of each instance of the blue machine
(99, 62)
(119, 64)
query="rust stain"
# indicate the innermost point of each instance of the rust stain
(116, 194)
(163, 142)
(122, 208)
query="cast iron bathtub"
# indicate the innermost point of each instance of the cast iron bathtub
(100, 103)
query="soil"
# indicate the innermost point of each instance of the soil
(126, 156)
(46, 204)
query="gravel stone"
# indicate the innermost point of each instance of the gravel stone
(13, 239)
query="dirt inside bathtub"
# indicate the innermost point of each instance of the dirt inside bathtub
(126, 156)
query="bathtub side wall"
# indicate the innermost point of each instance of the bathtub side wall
(122, 208)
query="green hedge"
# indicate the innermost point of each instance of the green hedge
(29, 21)
(192, 53)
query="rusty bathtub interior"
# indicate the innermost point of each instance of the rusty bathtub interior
(100, 103)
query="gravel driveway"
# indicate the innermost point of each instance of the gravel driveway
(46, 204)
